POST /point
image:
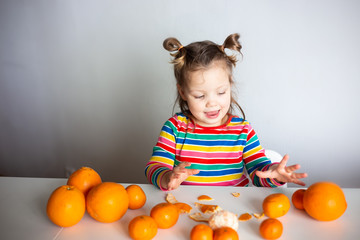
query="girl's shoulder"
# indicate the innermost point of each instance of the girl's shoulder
(238, 121)
(180, 120)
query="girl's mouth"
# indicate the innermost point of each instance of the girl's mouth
(212, 114)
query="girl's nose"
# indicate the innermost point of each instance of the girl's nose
(210, 102)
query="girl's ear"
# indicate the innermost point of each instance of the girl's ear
(181, 92)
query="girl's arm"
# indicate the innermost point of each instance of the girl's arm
(163, 157)
(256, 161)
(282, 173)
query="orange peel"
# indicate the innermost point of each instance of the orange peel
(183, 207)
(258, 215)
(206, 208)
(198, 217)
(235, 194)
(245, 217)
(170, 198)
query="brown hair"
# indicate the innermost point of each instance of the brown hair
(200, 55)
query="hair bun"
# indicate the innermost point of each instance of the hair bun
(172, 44)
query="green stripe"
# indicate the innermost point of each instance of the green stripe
(212, 166)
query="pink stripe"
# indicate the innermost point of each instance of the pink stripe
(225, 183)
(167, 142)
(209, 155)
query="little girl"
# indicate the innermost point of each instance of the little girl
(205, 144)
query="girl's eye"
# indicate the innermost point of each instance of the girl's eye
(222, 93)
(199, 97)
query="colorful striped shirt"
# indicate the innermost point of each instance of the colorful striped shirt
(223, 154)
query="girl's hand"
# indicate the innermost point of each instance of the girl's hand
(282, 173)
(173, 179)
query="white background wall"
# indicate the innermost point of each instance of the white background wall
(88, 82)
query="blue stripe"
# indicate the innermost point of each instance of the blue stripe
(218, 173)
(251, 146)
(239, 142)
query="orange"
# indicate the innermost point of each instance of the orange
(201, 232)
(107, 202)
(137, 197)
(324, 201)
(276, 205)
(142, 228)
(271, 228)
(66, 206)
(297, 199)
(165, 214)
(84, 179)
(225, 233)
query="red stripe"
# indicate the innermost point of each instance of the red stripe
(208, 161)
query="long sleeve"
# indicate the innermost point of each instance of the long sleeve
(163, 156)
(256, 160)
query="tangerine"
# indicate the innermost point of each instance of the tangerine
(137, 197)
(276, 205)
(271, 228)
(297, 199)
(66, 206)
(142, 228)
(201, 232)
(324, 201)
(107, 202)
(225, 233)
(165, 214)
(84, 179)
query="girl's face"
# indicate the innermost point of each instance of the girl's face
(208, 95)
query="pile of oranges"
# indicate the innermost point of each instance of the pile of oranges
(323, 201)
(104, 201)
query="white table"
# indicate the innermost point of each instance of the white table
(23, 213)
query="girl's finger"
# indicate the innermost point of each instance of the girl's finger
(184, 164)
(299, 175)
(283, 161)
(292, 168)
(193, 171)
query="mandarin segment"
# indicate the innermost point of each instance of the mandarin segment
(205, 198)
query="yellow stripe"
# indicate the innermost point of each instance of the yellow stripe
(167, 135)
(251, 152)
(209, 148)
(212, 179)
(162, 160)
